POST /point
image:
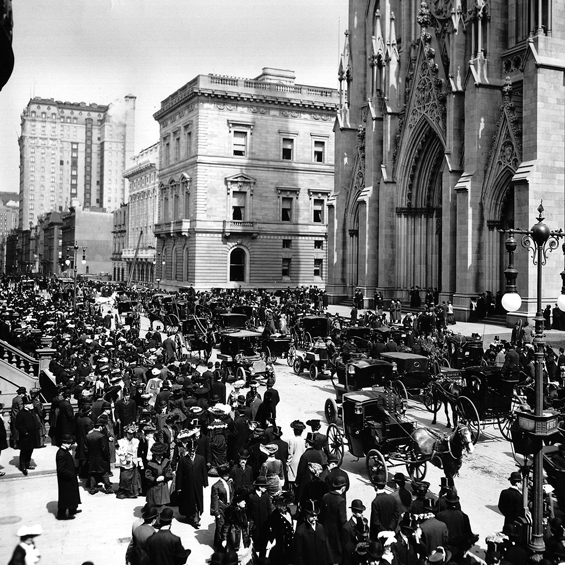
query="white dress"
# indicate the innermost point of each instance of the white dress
(296, 447)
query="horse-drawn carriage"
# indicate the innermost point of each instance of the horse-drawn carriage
(412, 373)
(382, 442)
(317, 360)
(241, 357)
(279, 346)
(479, 396)
(308, 328)
(464, 351)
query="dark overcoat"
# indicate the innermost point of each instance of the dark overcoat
(97, 451)
(192, 478)
(279, 530)
(83, 425)
(310, 547)
(303, 475)
(67, 480)
(164, 548)
(65, 424)
(28, 430)
(333, 517)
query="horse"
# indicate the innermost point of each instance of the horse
(442, 450)
(446, 392)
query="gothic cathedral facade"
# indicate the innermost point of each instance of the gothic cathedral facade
(451, 127)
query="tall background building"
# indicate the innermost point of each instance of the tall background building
(451, 127)
(246, 170)
(73, 151)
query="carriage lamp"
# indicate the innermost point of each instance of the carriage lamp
(351, 369)
(394, 367)
(358, 408)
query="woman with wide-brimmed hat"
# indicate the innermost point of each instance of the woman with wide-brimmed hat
(272, 469)
(157, 473)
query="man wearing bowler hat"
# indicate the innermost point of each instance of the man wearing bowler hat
(333, 516)
(402, 495)
(259, 508)
(138, 544)
(241, 473)
(67, 481)
(303, 474)
(310, 540)
(221, 496)
(354, 532)
(163, 547)
(510, 502)
(334, 471)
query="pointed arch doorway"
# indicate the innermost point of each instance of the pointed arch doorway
(419, 225)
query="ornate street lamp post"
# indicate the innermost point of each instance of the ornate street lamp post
(540, 240)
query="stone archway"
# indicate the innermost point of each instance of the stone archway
(418, 222)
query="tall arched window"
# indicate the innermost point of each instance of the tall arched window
(185, 263)
(174, 264)
(237, 265)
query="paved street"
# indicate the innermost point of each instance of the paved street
(101, 532)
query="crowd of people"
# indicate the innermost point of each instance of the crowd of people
(132, 420)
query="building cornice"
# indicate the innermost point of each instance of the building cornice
(140, 168)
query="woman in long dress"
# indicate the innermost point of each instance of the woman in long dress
(272, 469)
(296, 447)
(157, 473)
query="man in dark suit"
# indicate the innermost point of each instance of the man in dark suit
(97, 450)
(510, 502)
(310, 540)
(334, 471)
(67, 481)
(457, 521)
(434, 533)
(241, 473)
(163, 547)
(259, 508)
(511, 361)
(384, 510)
(221, 495)
(65, 424)
(218, 387)
(333, 517)
(354, 531)
(192, 478)
(28, 428)
(303, 474)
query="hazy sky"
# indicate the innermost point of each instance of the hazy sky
(101, 50)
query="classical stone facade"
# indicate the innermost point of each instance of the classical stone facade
(451, 127)
(246, 169)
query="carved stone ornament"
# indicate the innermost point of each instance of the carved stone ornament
(506, 148)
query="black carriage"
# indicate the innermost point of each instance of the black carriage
(241, 357)
(486, 395)
(464, 351)
(308, 328)
(361, 337)
(279, 346)
(232, 320)
(412, 374)
(366, 436)
(356, 374)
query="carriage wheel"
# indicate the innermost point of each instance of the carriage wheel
(290, 355)
(330, 410)
(400, 389)
(313, 372)
(297, 366)
(428, 398)
(240, 374)
(505, 424)
(270, 357)
(468, 415)
(308, 341)
(417, 471)
(376, 465)
(336, 440)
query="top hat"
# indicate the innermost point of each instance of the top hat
(358, 506)
(310, 507)
(406, 524)
(446, 482)
(310, 437)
